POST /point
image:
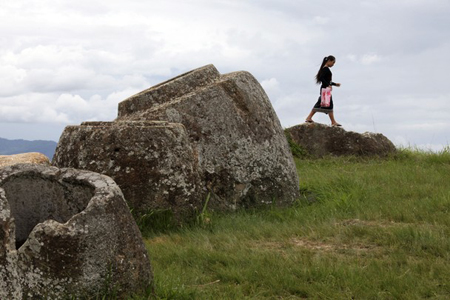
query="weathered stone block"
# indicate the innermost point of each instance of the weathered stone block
(171, 89)
(152, 162)
(243, 155)
(64, 233)
(220, 136)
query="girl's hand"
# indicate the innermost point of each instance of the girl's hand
(338, 84)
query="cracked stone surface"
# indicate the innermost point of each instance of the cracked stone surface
(66, 232)
(152, 162)
(233, 146)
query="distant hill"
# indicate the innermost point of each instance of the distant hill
(8, 147)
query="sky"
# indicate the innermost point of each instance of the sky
(65, 62)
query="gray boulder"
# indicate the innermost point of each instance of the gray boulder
(233, 146)
(67, 233)
(152, 162)
(321, 140)
(243, 157)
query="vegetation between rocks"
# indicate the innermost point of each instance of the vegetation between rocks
(363, 229)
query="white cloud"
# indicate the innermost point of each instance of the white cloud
(30, 108)
(65, 62)
(72, 103)
(365, 59)
(352, 57)
(271, 86)
(321, 20)
(369, 59)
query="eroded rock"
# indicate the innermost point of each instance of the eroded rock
(24, 158)
(67, 233)
(228, 143)
(243, 156)
(152, 162)
(320, 140)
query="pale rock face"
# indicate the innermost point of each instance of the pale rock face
(24, 158)
(234, 146)
(66, 232)
(320, 140)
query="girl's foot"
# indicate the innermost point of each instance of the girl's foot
(309, 121)
(336, 125)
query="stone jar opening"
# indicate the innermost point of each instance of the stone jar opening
(34, 199)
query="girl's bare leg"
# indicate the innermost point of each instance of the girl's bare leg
(333, 121)
(311, 114)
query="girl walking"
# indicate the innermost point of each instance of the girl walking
(325, 102)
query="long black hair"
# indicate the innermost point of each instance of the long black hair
(325, 59)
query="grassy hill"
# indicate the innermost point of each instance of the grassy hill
(364, 229)
(8, 147)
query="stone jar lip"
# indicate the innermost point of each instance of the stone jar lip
(98, 181)
(172, 88)
(103, 188)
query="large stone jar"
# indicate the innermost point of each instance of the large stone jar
(67, 233)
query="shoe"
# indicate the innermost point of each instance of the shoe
(336, 125)
(309, 121)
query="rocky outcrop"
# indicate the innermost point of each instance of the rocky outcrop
(32, 158)
(321, 140)
(234, 144)
(67, 233)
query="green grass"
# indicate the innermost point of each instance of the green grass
(363, 229)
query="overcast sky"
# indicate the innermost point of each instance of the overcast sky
(64, 62)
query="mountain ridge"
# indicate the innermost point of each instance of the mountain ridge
(9, 147)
